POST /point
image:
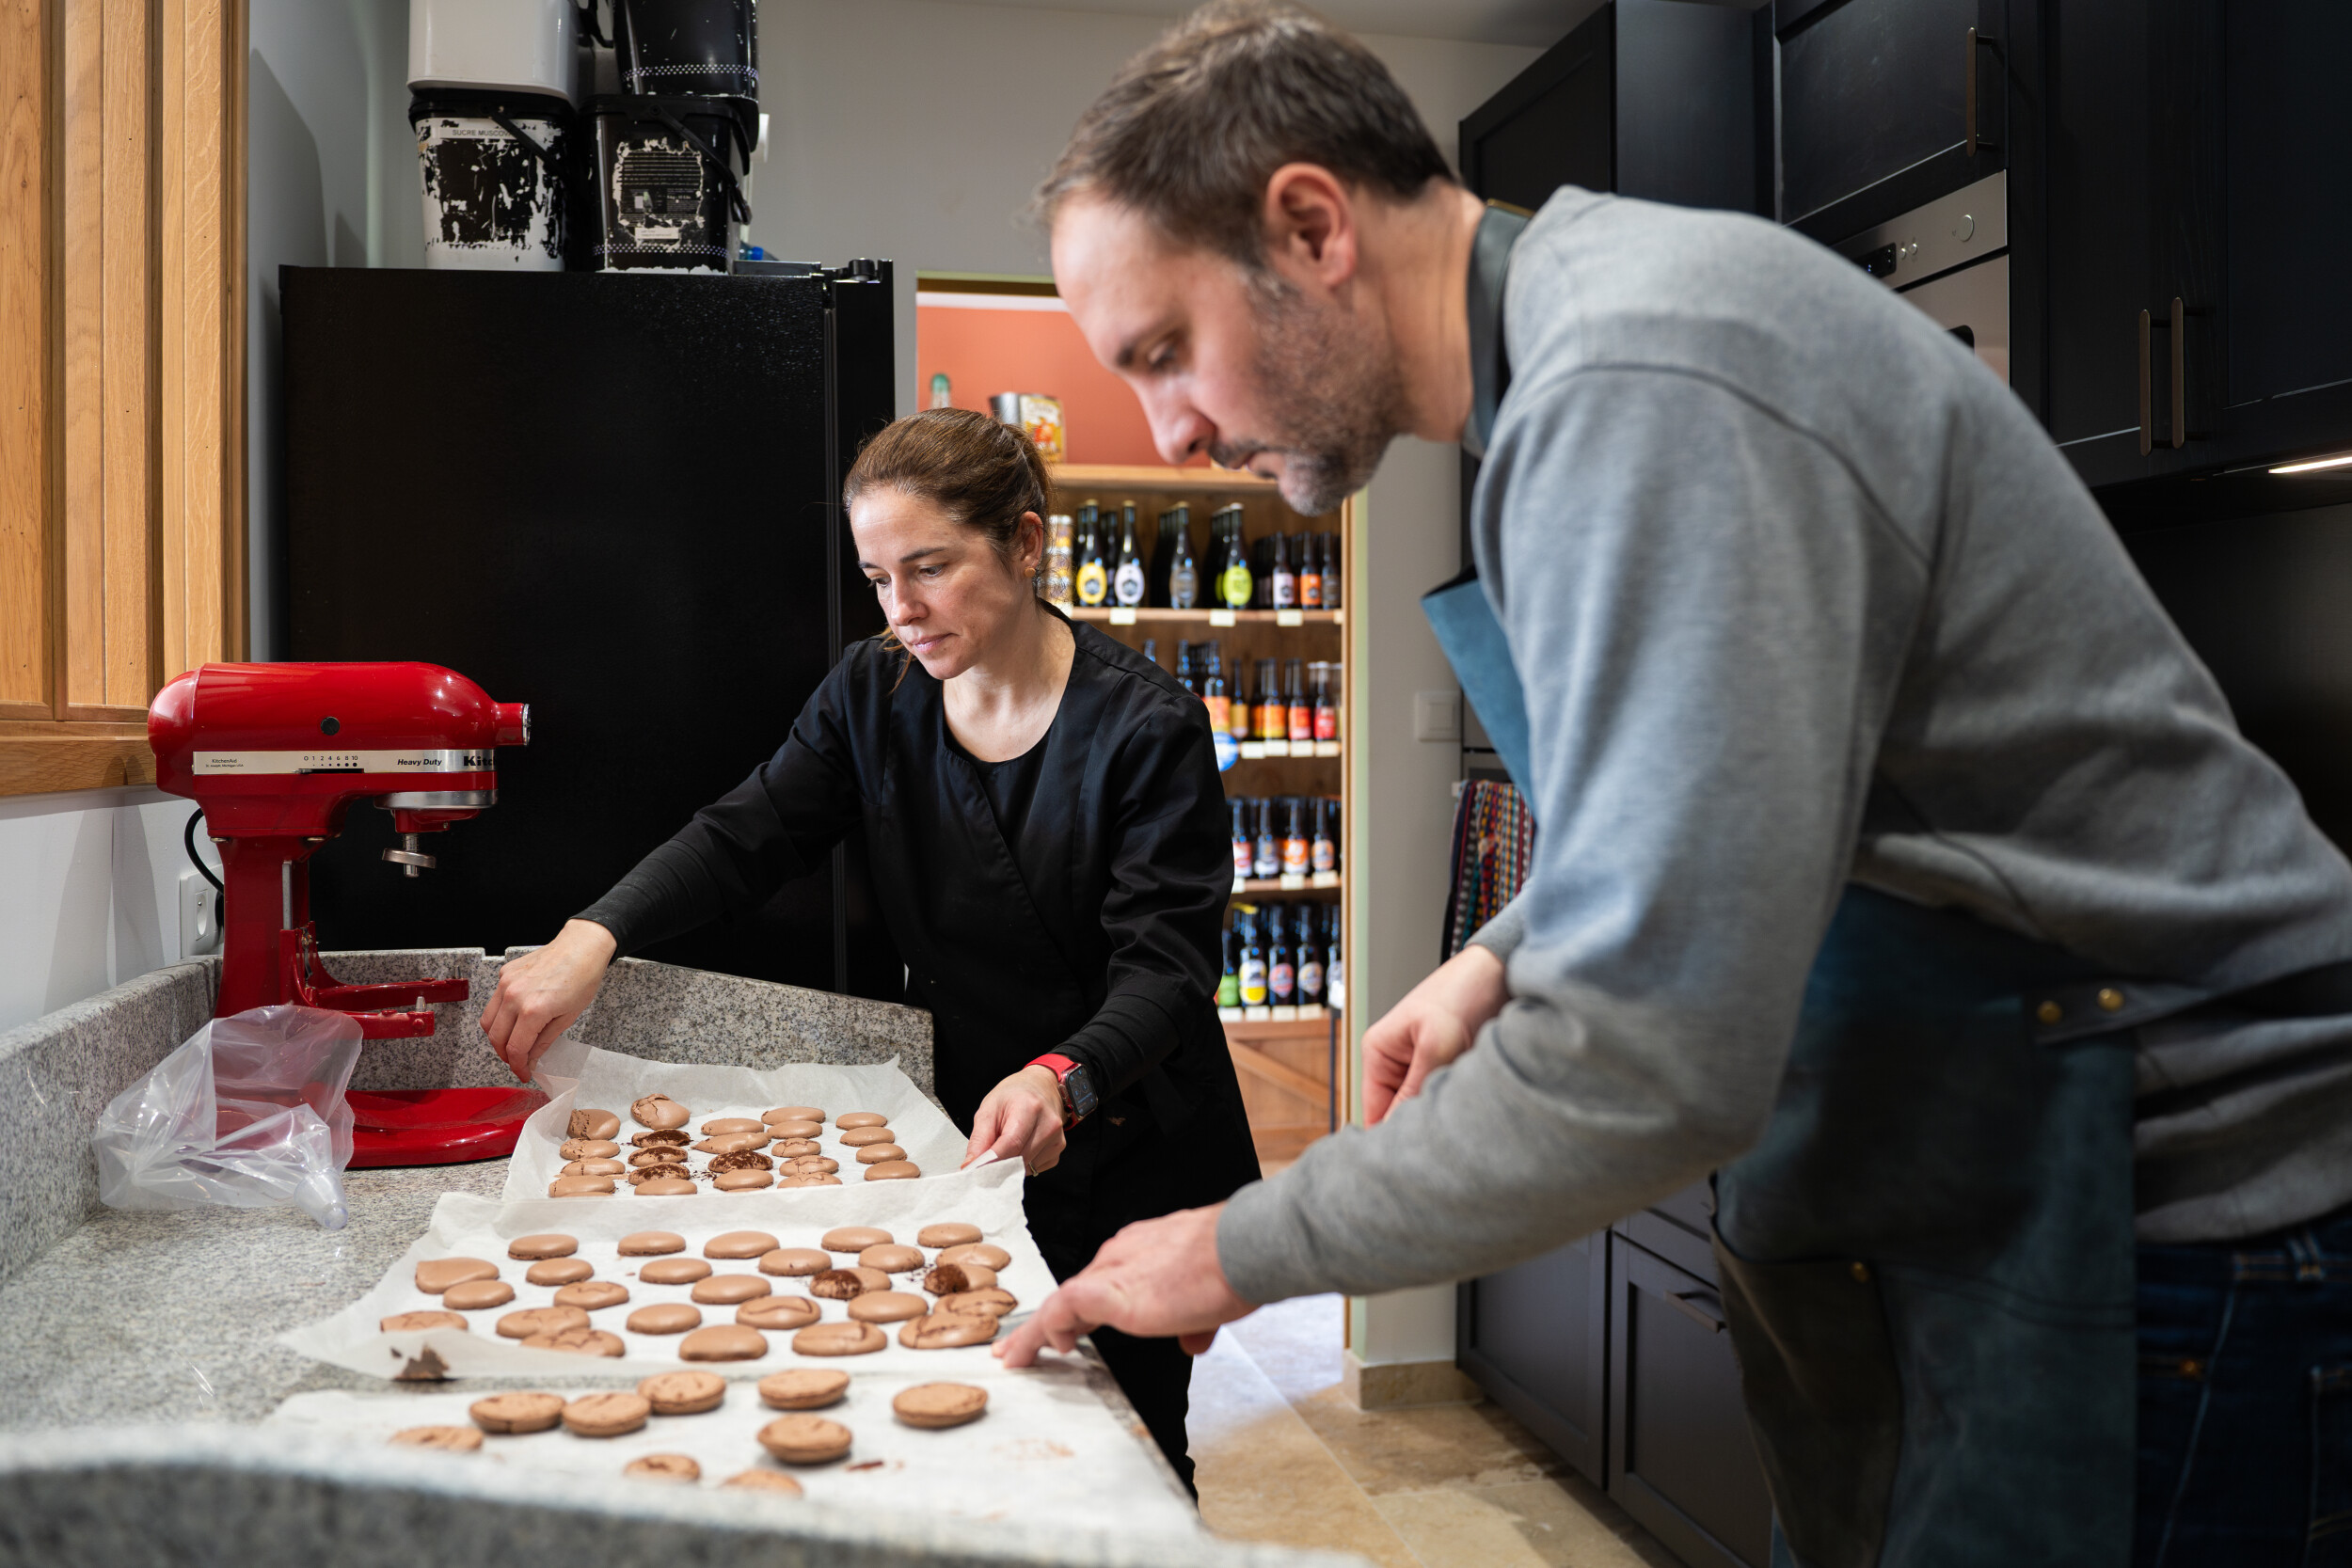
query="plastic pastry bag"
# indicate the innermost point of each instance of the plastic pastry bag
(249, 1114)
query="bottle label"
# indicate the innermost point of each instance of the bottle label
(1235, 586)
(1183, 588)
(1302, 721)
(1253, 982)
(1093, 583)
(1221, 711)
(1128, 590)
(1273, 718)
(1294, 857)
(1327, 855)
(1336, 983)
(1228, 991)
(1327, 722)
(1285, 589)
(1310, 589)
(1241, 721)
(1269, 860)
(1227, 750)
(1311, 980)
(1242, 859)
(1283, 980)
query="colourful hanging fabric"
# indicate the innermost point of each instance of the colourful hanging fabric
(1494, 849)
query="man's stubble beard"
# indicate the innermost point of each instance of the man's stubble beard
(1335, 387)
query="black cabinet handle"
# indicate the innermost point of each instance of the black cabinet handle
(1968, 94)
(1687, 1302)
(2174, 325)
(2179, 373)
(2147, 390)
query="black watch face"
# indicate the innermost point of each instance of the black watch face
(1080, 1082)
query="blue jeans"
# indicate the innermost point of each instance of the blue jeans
(2246, 1402)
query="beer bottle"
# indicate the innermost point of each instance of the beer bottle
(1310, 958)
(1281, 968)
(1284, 593)
(1334, 971)
(1332, 574)
(1298, 719)
(1327, 706)
(1229, 984)
(1311, 571)
(1267, 861)
(1323, 849)
(1238, 715)
(1295, 845)
(1234, 583)
(1209, 659)
(1244, 852)
(1273, 713)
(1127, 575)
(1183, 573)
(1185, 676)
(1094, 578)
(1252, 976)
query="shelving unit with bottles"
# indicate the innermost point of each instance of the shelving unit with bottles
(1291, 1060)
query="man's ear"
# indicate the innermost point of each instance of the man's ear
(1311, 229)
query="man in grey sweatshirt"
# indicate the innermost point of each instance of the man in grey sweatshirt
(1801, 598)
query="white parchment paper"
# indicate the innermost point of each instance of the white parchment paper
(585, 1077)
(1048, 1448)
(466, 1227)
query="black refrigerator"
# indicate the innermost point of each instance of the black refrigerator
(613, 497)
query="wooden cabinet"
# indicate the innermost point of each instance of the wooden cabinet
(122, 390)
(1656, 99)
(1535, 1337)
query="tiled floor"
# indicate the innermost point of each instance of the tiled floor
(1284, 1457)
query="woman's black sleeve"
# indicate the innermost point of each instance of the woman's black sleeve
(1171, 871)
(776, 825)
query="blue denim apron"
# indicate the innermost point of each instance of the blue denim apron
(1928, 1258)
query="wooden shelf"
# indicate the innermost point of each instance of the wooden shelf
(1257, 885)
(1100, 615)
(1147, 476)
(1238, 1031)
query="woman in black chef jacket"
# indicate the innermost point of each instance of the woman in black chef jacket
(1050, 846)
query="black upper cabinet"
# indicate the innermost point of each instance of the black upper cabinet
(2199, 228)
(1655, 98)
(1887, 105)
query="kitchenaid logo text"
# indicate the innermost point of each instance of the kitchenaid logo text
(437, 761)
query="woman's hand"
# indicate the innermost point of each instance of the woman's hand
(1021, 1116)
(540, 993)
(1437, 1021)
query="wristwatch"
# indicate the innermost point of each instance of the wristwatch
(1078, 1099)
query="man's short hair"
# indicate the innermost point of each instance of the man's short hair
(1194, 127)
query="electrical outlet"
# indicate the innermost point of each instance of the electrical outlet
(200, 916)
(1437, 716)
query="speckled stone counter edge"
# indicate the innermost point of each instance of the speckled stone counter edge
(140, 1495)
(58, 1072)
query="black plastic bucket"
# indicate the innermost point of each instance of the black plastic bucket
(689, 48)
(498, 179)
(667, 195)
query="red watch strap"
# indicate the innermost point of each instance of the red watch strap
(1060, 1067)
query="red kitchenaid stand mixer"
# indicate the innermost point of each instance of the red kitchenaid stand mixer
(275, 754)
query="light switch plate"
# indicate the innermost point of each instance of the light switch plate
(200, 916)
(1437, 715)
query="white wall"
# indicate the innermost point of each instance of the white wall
(915, 130)
(88, 894)
(1400, 838)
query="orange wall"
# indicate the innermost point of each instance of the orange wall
(987, 351)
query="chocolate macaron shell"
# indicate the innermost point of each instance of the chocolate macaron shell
(651, 1243)
(796, 1132)
(743, 1180)
(476, 1294)
(724, 1342)
(946, 1331)
(793, 1113)
(880, 1154)
(435, 1275)
(516, 1412)
(842, 1339)
(894, 1170)
(947, 1233)
(887, 1307)
(805, 1439)
(418, 1322)
(934, 1405)
(560, 1271)
(777, 1314)
(581, 1186)
(588, 1149)
(541, 1319)
(890, 1258)
(606, 1415)
(858, 1137)
(850, 1121)
(593, 1124)
(660, 1137)
(592, 1295)
(547, 1244)
(717, 1125)
(854, 1238)
(578, 1341)
(684, 1393)
(664, 1317)
(978, 1252)
(673, 1271)
(664, 1186)
(740, 1243)
(660, 1113)
(987, 1302)
(803, 1388)
(731, 1289)
(794, 1260)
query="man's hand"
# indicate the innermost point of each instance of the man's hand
(1437, 1021)
(1021, 1116)
(1154, 1278)
(540, 993)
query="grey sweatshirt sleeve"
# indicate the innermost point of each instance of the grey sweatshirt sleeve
(1704, 603)
(1502, 935)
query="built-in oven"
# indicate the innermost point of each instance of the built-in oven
(1950, 259)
